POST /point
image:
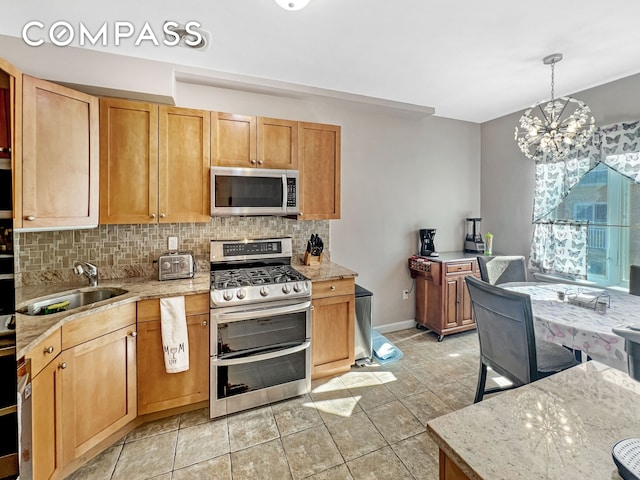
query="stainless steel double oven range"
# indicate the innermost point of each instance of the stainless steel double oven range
(260, 325)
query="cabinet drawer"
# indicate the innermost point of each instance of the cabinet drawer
(87, 328)
(460, 267)
(327, 288)
(45, 351)
(149, 310)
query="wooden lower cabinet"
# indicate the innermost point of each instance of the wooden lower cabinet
(333, 321)
(443, 304)
(157, 389)
(87, 392)
(46, 422)
(449, 470)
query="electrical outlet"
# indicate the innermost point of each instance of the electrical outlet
(405, 294)
(173, 243)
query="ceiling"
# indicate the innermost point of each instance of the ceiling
(469, 60)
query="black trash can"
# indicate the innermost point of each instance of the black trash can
(364, 326)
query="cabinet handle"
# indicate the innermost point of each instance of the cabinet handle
(204, 324)
(49, 349)
(260, 162)
(162, 215)
(63, 365)
(253, 161)
(134, 334)
(31, 218)
(333, 287)
(153, 215)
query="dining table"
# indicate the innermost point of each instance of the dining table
(569, 315)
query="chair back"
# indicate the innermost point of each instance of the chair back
(505, 330)
(634, 279)
(502, 269)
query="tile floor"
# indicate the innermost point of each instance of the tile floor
(368, 423)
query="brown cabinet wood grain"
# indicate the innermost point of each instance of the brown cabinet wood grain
(154, 163)
(247, 141)
(319, 165)
(59, 174)
(87, 392)
(157, 389)
(333, 327)
(98, 385)
(443, 304)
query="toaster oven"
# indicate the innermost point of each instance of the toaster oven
(176, 265)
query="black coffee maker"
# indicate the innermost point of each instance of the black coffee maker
(427, 247)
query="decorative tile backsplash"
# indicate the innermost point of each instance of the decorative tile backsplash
(122, 251)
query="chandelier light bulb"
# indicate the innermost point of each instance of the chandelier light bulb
(292, 5)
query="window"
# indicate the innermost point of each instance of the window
(610, 202)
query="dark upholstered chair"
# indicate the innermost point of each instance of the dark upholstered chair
(634, 280)
(502, 269)
(507, 339)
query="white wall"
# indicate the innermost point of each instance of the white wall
(400, 173)
(508, 176)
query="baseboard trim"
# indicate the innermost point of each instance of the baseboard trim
(392, 327)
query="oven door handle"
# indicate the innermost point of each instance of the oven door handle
(253, 313)
(264, 356)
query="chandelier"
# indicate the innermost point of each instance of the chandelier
(557, 127)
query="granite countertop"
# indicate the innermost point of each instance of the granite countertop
(32, 329)
(452, 256)
(561, 427)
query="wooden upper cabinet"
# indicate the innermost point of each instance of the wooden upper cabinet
(319, 165)
(154, 163)
(184, 165)
(128, 161)
(246, 141)
(59, 158)
(277, 143)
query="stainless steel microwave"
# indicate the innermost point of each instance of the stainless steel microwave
(254, 191)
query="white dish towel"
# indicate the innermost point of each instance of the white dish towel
(175, 339)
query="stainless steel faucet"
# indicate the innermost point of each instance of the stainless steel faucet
(87, 269)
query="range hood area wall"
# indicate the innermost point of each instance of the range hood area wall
(122, 251)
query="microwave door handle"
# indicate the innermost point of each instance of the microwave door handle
(252, 313)
(284, 192)
(264, 356)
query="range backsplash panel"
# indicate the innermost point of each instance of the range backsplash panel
(122, 251)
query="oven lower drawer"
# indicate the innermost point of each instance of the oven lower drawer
(249, 383)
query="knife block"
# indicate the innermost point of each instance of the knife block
(312, 259)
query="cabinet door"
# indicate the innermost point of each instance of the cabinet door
(233, 140)
(277, 143)
(332, 340)
(159, 390)
(184, 165)
(466, 310)
(319, 165)
(46, 432)
(5, 116)
(98, 384)
(60, 156)
(128, 162)
(451, 298)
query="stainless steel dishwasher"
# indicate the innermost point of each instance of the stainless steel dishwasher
(364, 326)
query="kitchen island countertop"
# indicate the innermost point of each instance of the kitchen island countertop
(561, 427)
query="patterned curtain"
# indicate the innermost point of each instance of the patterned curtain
(560, 248)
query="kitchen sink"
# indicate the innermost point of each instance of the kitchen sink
(68, 301)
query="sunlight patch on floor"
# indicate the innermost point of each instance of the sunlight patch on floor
(342, 407)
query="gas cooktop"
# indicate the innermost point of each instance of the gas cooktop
(243, 277)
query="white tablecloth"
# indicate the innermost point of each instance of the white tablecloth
(581, 328)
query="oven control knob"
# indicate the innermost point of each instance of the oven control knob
(286, 288)
(227, 295)
(264, 291)
(241, 293)
(297, 288)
